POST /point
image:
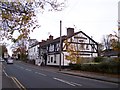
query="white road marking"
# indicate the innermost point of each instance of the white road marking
(40, 74)
(65, 81)
(31, 70)
(76, 84)
(21, 67)
(6, 73)
(28, 69)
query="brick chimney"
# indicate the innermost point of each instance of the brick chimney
(70, 31)
(50, 37)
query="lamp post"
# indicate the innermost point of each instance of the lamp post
(60, 44)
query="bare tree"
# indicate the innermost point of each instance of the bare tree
(111, 41)
(106, 42)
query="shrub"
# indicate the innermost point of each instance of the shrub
(98, 59)
(75, 66)
(111, 66)
(89, 67)
(104, 67)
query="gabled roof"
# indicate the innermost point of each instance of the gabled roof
(32, 40)
(85, 35)
(37, 43)
(110, 52)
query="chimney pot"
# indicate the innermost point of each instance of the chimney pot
(50, 37)
(43, 40)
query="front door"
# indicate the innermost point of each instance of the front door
(45, 58)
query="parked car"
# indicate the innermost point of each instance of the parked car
(10, 61)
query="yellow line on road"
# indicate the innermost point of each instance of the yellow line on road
(20, 86)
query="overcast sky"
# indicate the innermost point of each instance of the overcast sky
(94, 17)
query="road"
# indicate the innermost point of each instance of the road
(31, 76)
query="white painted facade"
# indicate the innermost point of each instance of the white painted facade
(89, 49)
(33, 53)
(47, 53)
(55, 60)
(54, 57)
(83, 44)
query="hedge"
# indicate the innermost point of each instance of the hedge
(103, 67)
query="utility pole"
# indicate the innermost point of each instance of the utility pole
(60, 44)
(0, 50)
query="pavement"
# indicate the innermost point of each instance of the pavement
(98, 76)
(6, 82)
